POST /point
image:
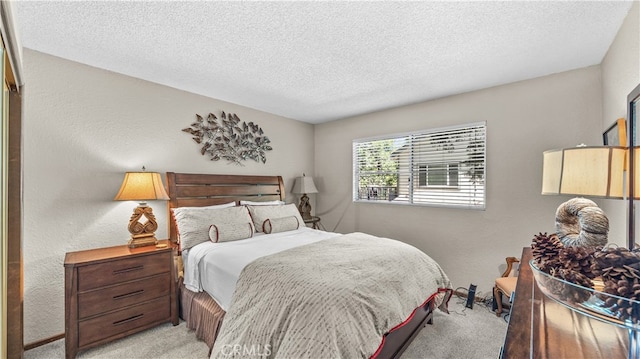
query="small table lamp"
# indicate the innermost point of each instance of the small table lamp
(142, 187)
(304, 185)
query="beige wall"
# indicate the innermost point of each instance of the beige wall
(620, 75)
(83, 128)
(523, 120)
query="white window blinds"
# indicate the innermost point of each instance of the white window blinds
(438, 167)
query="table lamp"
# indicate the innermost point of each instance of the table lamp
(142, 186)
(304, 185)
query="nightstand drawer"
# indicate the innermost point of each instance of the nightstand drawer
(122, 321)
(123, 295)
(122, 270)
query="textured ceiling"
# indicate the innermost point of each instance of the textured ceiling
(320, 61)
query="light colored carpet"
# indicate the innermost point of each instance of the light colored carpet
(464, 333)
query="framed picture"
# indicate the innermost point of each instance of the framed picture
(616, 135)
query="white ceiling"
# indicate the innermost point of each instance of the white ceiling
(320, 61)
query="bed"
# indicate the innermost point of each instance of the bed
(307, 312)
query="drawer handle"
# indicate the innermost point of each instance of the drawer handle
(131, 269)
(122, 296)
(130, 319)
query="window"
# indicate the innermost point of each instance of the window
(439, 167)
(438, 174)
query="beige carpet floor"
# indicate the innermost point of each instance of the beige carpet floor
(463, 333)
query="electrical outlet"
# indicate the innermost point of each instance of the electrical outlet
(471, 296)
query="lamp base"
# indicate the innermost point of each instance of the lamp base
(142, 241)
(305, 207)
(142, 234)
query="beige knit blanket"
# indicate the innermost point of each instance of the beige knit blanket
(331, 299)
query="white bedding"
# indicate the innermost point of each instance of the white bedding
(223, 262)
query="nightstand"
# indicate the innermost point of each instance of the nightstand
(314, 221)
(117, 291)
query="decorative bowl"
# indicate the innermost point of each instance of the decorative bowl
(587, 301)
(593, 303)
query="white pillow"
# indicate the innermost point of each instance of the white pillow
(265, 203)
(276, 225)
(192, 223)
(230, 231)
(261, 213)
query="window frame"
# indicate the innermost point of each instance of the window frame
(467, 142)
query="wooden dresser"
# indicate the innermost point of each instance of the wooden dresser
(117, 291)
(539, 327)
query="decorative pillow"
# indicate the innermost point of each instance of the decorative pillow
(265, 203)
(193, 223)
(226, 232)
(259, 214)
(275, 225)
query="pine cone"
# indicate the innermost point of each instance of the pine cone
(620, 271)
(568, 292)
(578, 259)
(616, 257)
(545, 249)
(627, 288)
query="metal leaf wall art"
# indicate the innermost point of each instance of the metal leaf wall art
(229, 138)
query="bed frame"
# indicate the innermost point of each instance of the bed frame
(199, 310)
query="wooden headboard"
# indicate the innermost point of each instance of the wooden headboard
(199, 190)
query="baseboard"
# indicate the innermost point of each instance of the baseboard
(43, 342)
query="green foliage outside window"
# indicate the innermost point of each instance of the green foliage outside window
(377, 167)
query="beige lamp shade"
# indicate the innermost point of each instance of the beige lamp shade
(141, 186)
(585, 171)
(636, 176)
(304, 184)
